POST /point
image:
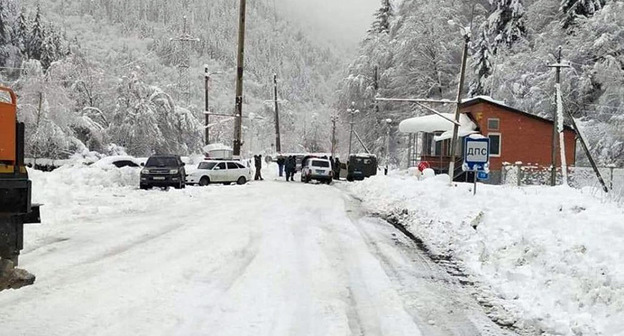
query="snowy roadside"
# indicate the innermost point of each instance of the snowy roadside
(553, 256)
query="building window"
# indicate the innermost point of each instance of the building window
(493, 124)
(495, 144)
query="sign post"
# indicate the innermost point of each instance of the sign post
(477, 158)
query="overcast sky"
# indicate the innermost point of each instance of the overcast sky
(343, 21)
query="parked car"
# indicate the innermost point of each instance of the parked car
(314, 168)
(163, 171)
(219, 171)
(361, 166)
(118, 161)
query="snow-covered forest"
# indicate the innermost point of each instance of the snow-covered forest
(417, 47)
(100, 75)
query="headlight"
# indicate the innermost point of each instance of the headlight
(173, 171)
(145, 171)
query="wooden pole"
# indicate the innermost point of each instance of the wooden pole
(238, 125)
(460, 89)
(278, 140)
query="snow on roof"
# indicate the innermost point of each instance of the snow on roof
(434, 123)
(216, 147)
(488, 98)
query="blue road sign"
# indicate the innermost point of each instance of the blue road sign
(476, 153)
(481, 175)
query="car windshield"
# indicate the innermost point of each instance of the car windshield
(206, 165)
(322, 164)
(156, 161)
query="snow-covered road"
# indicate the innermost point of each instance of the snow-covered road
(267, 258)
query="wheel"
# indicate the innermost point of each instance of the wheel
(145, 187)
(241, 180)
(204, 181)
(350, 178)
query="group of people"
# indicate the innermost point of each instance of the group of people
(289, 165)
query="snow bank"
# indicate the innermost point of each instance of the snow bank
(554, 256)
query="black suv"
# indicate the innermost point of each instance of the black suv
(163, 171)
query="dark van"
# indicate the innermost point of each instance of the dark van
(361, 166)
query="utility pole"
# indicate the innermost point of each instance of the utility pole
(207, 88)
(352, 111)
(334, 119)
(278, 141)
(238, 125)
(388, 124)
(376, 89)
(184, 82)
(460, 89)
(207, 112)
(555, 133)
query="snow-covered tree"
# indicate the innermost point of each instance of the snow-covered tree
(481, 64)
(36, 38)
(574, 8)
(381, 24)
(507, 22)
(20, 34)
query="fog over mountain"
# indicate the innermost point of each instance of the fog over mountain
(343, 21)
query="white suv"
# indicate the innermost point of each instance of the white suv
(316, 169)
(219, 171)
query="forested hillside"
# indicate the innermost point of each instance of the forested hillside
(417, 46)
(95, 75)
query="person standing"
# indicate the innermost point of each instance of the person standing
(258, 165)
(281, 161)
(337, 169)
(290, 168)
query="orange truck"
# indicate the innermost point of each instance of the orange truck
(16, 208)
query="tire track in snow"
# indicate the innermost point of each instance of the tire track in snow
(417, 277)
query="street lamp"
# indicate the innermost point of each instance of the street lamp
(352, 112)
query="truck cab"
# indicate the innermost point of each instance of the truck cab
(16, 208)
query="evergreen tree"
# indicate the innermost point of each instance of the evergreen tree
(4, 23)
(382, 19)
(4, 34)
(19, 36)
(574, 8)
(482, 65)
(507, 23)
(48, 50)
(34, 41)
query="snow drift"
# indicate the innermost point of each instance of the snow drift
(553, 255)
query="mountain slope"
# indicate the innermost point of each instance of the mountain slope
(127, 63)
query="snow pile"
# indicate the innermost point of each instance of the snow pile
(96, 175)
(553, 255)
